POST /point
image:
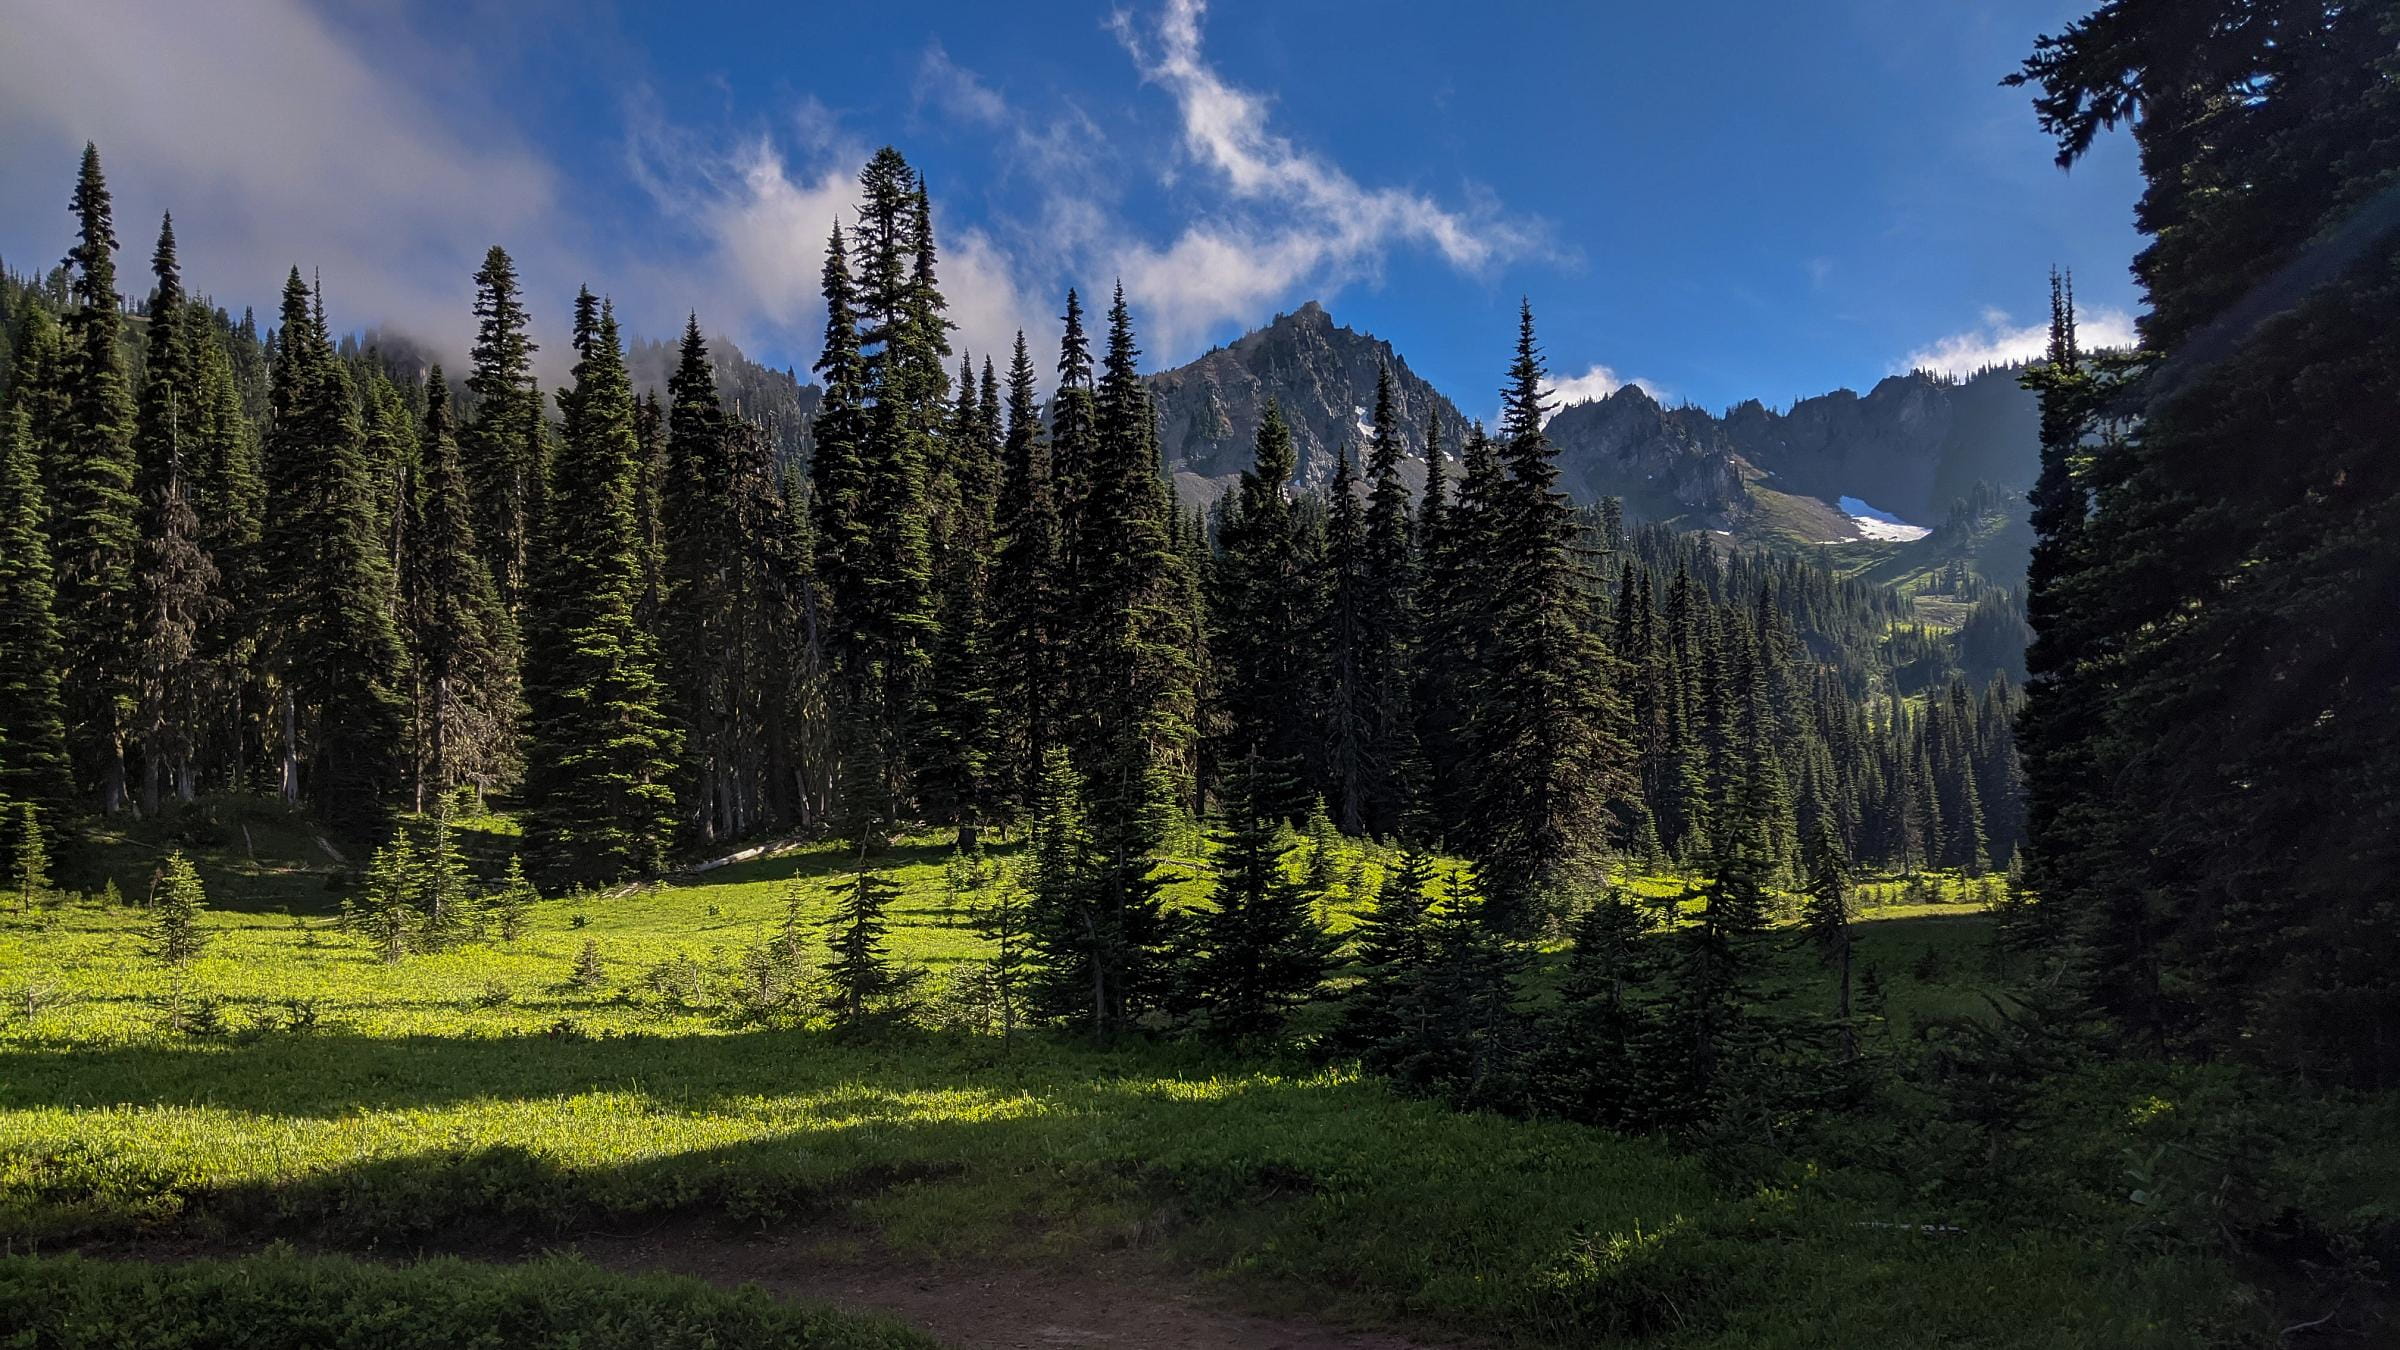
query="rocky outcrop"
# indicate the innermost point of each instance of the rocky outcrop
(1321, 374)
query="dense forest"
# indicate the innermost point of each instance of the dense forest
(326, 570)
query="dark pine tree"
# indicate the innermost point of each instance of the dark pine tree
(1544, 726)
(1031, 688)
(34, 767)
(600, 751)
(463, 645)
(1263, 615)
(1387, 626)
(500, 447)
(335, 649)
(93, 509)
(1258, 949)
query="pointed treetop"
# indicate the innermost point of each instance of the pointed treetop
(1074, 350)
(1525, 403)
(162, 260)
(437, 403)
(93, 256)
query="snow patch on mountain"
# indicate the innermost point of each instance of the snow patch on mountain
(1875, 524)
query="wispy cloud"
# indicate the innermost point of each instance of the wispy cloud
(1289, 218)
(956, 91)
(2001, 341)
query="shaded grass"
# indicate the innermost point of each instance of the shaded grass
(304, 1303)
(417, 1111)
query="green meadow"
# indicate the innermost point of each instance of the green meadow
(291, 1085)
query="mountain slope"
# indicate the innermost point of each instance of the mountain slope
(1322, 375)
(1912, 446)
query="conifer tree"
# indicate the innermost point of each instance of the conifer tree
(500, 445)
(336, 650)
(1385, 1007)
(177, 595)
(600, 753)
(177, 588)
(893, 626)
(1125, 645)
(1387, 623)
(462, 644)
(384, 912)
(92, 523)
(1026, 584)
(837, 474)
(28, 855)
(1461, 556)
(700, 622)
(1258, 948)
(1825, 918)
(1263, 613)
(447, 914)
(864, 979)
(2226, 605)
(511, 902)
(228, 497)
(1344, 731)
(34, 766)
(176, 938)
(1594, 1066)
(1073, 431)
(1006, 922)
(1544, 726)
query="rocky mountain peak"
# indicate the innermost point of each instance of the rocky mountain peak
(1321, 374)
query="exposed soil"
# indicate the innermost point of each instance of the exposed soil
(970, 1306)
(982, 1307)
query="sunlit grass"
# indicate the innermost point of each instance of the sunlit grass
(480, 1094)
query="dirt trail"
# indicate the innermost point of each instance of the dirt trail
(983, 1307)
(964, 1305)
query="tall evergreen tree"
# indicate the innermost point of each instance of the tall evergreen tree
(1545, 719)
(2227, 608)
(228, 497)
(462, 644)
(1263, 615)
(34, 767)
(336, 650)
(1387, 624)
(178, 589)
(1124, 642)
(500, 445)
(600, 752)
(93, 530)
(1026, 591)
(1343, 770)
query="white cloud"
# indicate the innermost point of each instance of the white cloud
(1999, 341)
(276, 142)
(1291, 218)
(1596, 383)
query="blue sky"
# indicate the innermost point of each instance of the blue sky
(1722, 200)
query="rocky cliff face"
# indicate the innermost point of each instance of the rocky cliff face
(1323, 376)
(1911, 446)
